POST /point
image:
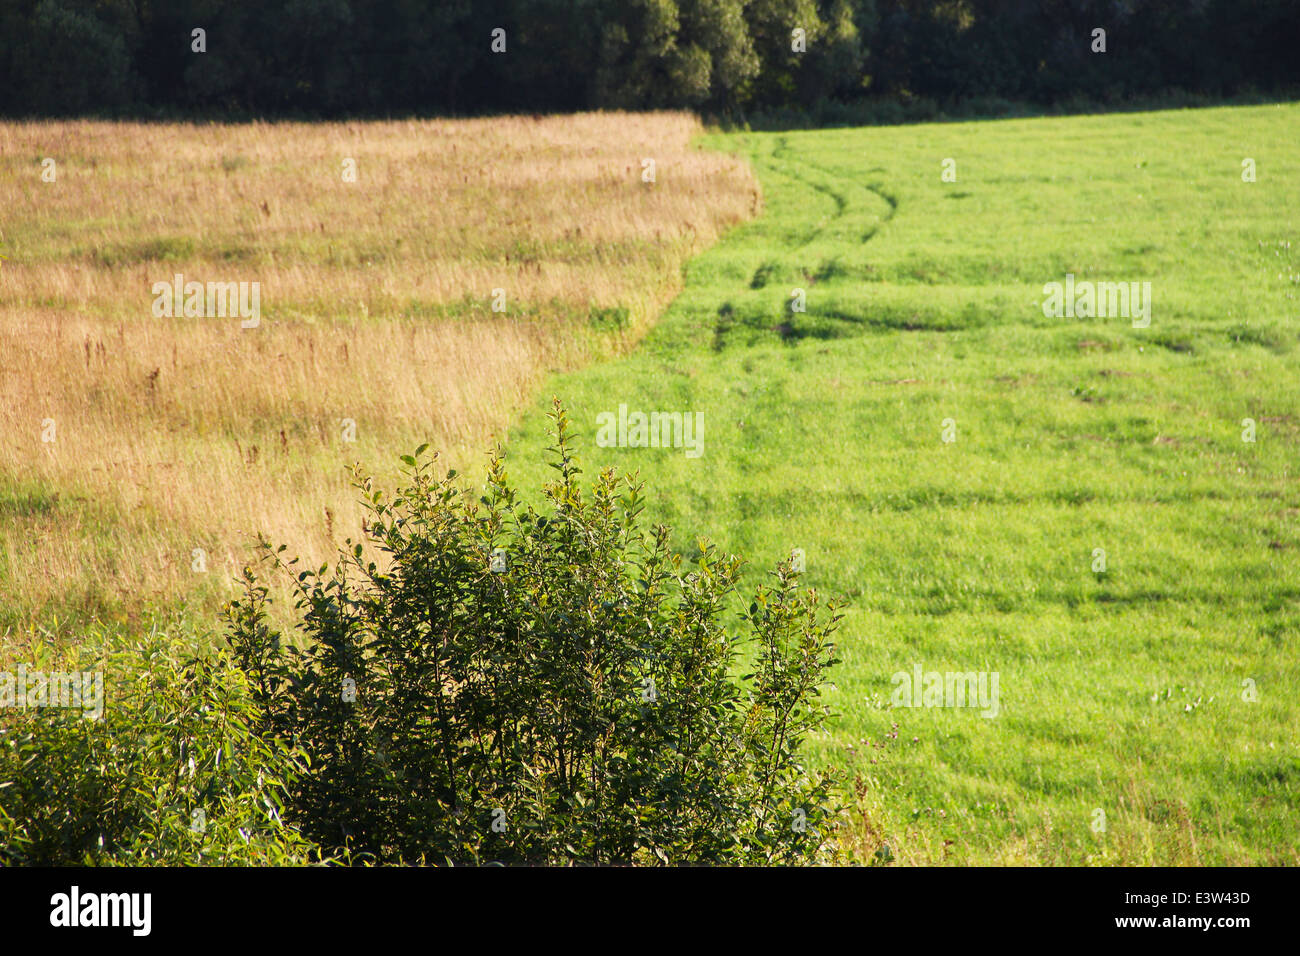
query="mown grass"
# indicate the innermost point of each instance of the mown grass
(1120, 691)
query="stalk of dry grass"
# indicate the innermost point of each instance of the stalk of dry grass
(175, 440)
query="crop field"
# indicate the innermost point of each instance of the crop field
(1023, 392)
(1098, 510)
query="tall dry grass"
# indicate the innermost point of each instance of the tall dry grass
(177, 435)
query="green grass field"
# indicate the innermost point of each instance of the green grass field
(1120, 691)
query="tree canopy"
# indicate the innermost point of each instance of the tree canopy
(347, 57)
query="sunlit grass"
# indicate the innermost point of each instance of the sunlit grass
(1120, 691)
(174, 436)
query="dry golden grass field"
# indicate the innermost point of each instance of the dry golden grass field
(144, 453)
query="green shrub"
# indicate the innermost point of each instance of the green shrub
(580, 704)
(171, 772)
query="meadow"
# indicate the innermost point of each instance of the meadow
(417, 281)
(1069, 503)
(1072, 504)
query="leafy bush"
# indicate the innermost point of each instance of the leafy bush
(579, 703)
(171, 772)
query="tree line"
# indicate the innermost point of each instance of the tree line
(723, 57)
